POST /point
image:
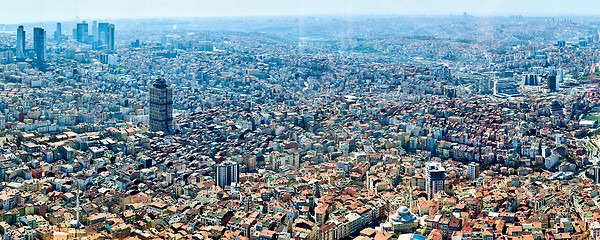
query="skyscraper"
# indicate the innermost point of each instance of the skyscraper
(436, 174)
(39, 44)
(161, 106)
(20, 43)
(560, 75)
(227, 172)
(103, 33)
(58, 33)
(553, 83)
(82, 31)
(110, 38)
(95, 31)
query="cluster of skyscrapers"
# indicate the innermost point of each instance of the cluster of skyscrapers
(39, 45)
(103, 35)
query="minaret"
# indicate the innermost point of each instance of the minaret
(77, 210)
(367, 183)
(410, 196)
(77, 215)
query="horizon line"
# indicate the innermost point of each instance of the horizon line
(331, 15)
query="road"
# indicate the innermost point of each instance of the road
(592, 146)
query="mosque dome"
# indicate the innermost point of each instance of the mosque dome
(403, 210)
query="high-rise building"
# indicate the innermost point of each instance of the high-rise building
(82, 31)
(473, 171)
(2, 122)
(20, 43)
(553, 83)
(110, 38)
(560, 75)
(103, 33)
(596, 173)
(436, 174)
(95, 31)
(530, 80)
(39, 44)
(106, 35)
(58, 33)
(161, 106)
(226, 173)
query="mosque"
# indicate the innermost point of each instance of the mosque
(402, 221)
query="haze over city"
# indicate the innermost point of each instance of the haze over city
(67, 10)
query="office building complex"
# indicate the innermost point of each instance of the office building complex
(505, 87)
(436, 174)
(20, 43)
(39, 44)
(226, 173)
(161, 106)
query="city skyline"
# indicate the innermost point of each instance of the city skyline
(73, 10)
(316, 127)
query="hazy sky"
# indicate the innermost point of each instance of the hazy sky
(20, 11)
